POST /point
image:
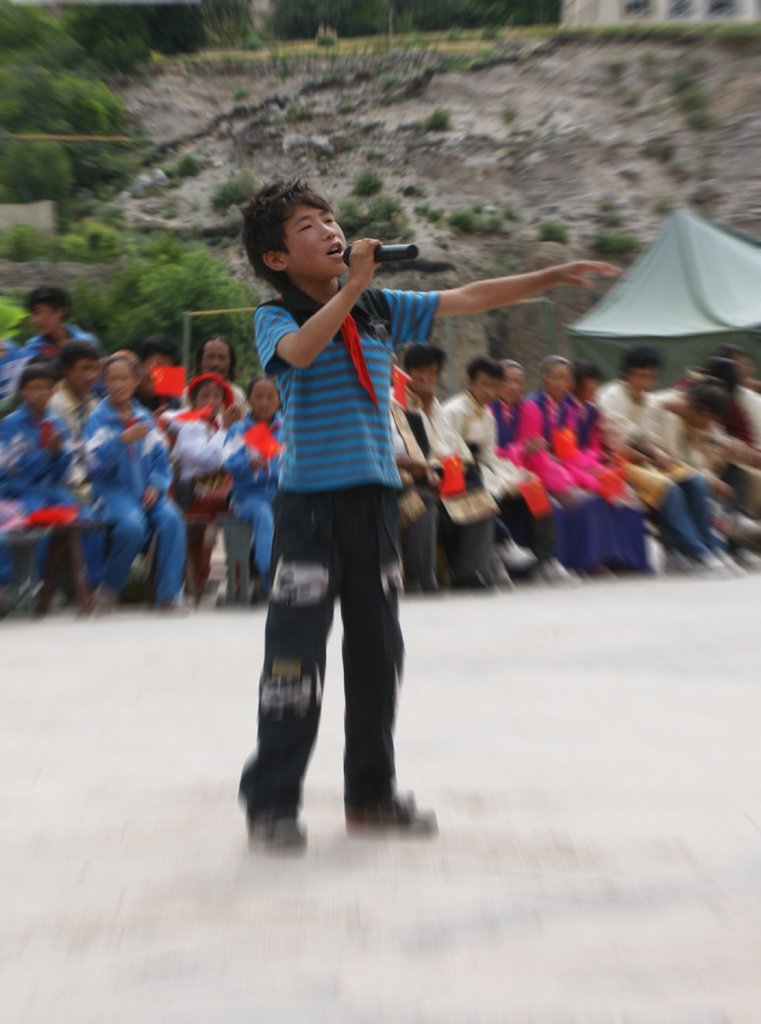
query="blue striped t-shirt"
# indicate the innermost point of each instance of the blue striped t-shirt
(333, 435)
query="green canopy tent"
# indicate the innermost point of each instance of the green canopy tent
(698, 285)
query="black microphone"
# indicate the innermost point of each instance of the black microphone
(388, 253)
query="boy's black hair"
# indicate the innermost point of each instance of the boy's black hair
(583, 370)
(417, 356)
(255, 380)
(641, 357)
(264, 217)
(123, 356)
(711, 397)
(48, 295)
(230, 349)
(160, 344)
(487, 365)
(723, 372)
(729, 351)
(74, 350)
(37, 371)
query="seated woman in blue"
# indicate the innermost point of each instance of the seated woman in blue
(131, 475)
(255, 477)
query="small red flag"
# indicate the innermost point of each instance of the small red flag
(400, 382)
(453, 480)
(260, 438)
(168, 381)
(535, 496)
(193, 414)
(46, 433)
(564, 443)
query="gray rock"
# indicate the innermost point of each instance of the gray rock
(629, 171)
(321, 143)
(143, 184)
(160, 179)
(707, 192)
(294, 145)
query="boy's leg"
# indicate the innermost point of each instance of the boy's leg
(166, 520)
(127, 536)
(695, 491)
(305, 580)
(260, 514)
(373, 649)
(678, 527)
(472, 551)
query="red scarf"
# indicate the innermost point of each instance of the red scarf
(351, 339)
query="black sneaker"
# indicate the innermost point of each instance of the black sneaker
(277, 834)
(395, 814)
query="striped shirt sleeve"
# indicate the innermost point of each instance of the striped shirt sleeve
(271, 323)
(412, 315)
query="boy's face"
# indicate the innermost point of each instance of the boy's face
(314, 244)
(46, 319)
(264, 401)
(587, 390)
(641, 379)
(484, 387)
(424, 381)
(37, 393)
(82, 376)
(120, 381)
(698, 416)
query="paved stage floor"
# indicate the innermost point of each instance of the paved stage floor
(594, 757)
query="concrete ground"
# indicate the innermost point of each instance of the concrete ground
(593, 756)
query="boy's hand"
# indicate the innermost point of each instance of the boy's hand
(150, 497)
(578, 273)
(362, 262)
(256, 463)
(136, 432)
(230, 416)
(55, 444)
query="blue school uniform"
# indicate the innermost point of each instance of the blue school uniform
(9, 353)
(120, 474)
(253, 490)
(29, 472)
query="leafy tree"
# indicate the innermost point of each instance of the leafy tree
(164, 278)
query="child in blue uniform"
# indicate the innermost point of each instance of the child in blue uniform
(255, 478)
(131, 475)
(336, 513)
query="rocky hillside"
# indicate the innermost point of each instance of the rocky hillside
(585, 143)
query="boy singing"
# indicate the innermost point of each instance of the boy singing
(335, 515)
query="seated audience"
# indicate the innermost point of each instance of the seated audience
(35, 455)
(594, 534)
(676, 492)
(254, 474)
(464, 523)
(469, 414)
(158, 350)
(217, 355)
(131, 477)
(48, 307)
(8, 369)
(73, 400)
(582, 399)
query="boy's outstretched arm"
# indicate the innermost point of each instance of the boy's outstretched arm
(480, 296)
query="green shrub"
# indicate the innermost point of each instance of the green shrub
(298, 112)
(252, 42)
(188, 166)
(381, 217)
(367, 183)
(692, 98)
(472, 220)
(374, 154)
(434, 216)
(453, 35)
(234, 191)
(609, 213)
(238, 93)
(659, 149)
(345, 107)
(386, 79)
(10, 317)
(326, 40)
(509, 114)
(21, 244)
(440, 120)
(72, 248)
(552, 231)
(490, 32)
(615, 243)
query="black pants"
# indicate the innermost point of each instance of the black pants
(419, 544)
(514, 513)
(327, 545)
